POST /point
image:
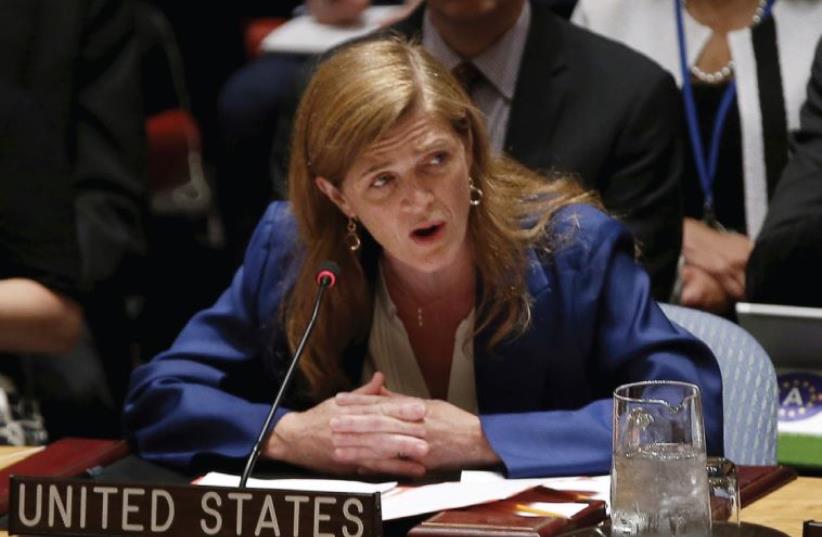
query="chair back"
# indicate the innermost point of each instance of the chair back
(750, 395)
(175, 164)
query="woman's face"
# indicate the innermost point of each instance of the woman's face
(410, 190)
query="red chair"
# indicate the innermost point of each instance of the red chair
(256, 30)
(173, 146)
(176, 178)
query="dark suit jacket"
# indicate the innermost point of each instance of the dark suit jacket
(590, 106)
(38, 239)
(786, 262)
(79, 62)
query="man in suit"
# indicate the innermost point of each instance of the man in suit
(39, 259)
(786, 262)
(79, 63)
(558, 98)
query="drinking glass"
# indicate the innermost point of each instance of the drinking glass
(659, 482)
(723, 486)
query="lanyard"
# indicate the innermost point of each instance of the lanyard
(705, 170)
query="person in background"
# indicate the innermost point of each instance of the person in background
(78, 62)
(252, 102)
(39, 259)
(482, 317)
(249, 106)
(743, 66)
(556, 98)
(40, 284)
(786, 261)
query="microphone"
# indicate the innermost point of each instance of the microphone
(327, 275)
(326, 278)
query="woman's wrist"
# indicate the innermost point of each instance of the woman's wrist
(278, 445)
(485, 454)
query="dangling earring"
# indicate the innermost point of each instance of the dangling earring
(476, 193)
(352, 240)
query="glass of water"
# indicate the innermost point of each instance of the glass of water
(659, 482)
(723, 487)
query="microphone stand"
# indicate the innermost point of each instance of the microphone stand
(324, 281)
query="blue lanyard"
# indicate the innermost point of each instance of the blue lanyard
(705, 170)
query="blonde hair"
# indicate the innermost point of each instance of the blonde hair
(354, 98)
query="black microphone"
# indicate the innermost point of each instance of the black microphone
(326, 278)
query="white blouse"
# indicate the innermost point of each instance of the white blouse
(390, 352)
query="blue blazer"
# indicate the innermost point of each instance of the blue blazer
(544, 398)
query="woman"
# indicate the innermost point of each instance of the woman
(485, 315)
(743, 66)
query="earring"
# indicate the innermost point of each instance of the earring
(352, 240)
(476, 193)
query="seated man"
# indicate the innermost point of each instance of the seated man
(78, 60)
(557, 97)
(786, 262)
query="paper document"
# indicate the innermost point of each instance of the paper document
(598, 486)
(405, 501)
(304, 35)
(216, 479)
(411, 501)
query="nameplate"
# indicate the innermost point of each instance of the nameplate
(50, 506)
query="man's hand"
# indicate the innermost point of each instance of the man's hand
(36, 319)
(407, 7)
(724, 256)
(337, 12)
(702, 291)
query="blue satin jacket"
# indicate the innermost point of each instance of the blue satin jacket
(544, 398)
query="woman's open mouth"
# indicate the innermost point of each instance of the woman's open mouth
(428, 233)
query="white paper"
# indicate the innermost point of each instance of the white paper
(599, 486)
(304, 35)
(565, 509)
(405, 501)
(411, 501)
(216, 479)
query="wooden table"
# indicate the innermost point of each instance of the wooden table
(784, 509)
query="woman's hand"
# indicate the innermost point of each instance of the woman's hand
(446, 437)
(455, 438)
(305, 438)
(724, 256)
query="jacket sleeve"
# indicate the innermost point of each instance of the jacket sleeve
(644, 186)
(38, 239)
(208, 395)
(628, 338)
(786, 261)
(110, 143)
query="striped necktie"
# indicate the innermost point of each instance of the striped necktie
(468, 76)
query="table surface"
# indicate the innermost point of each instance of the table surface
(784, 509)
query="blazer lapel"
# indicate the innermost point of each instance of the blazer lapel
(540, 89)
(499, 384)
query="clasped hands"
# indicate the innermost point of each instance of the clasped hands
(372, 430)
(713, 277)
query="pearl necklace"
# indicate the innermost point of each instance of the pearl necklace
(727, 70)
